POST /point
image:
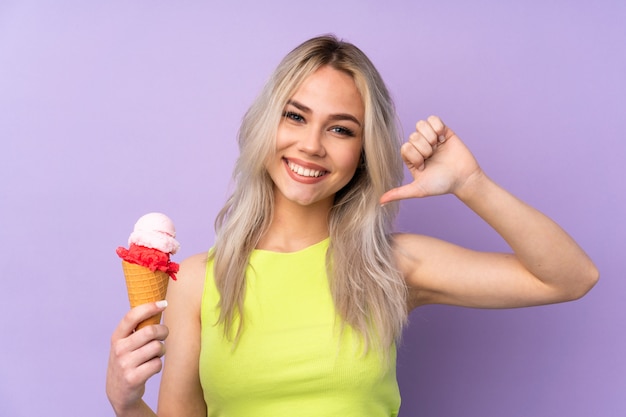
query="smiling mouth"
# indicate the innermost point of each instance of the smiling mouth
(305, 172)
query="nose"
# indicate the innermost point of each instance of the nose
(312, 142)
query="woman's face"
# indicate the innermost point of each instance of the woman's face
(319, 140)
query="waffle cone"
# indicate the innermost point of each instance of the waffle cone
(145, 286)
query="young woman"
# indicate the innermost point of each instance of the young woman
(297, 307)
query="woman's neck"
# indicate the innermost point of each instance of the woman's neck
(295, 227)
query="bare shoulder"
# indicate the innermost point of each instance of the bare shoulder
(184, 296)
(190, 279)
(194, 265)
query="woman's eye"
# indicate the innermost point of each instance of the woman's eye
(293, 116)
(344, 131)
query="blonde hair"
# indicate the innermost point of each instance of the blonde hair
(368, 291)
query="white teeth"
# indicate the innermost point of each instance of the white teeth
(305, 172)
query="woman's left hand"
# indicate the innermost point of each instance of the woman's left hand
(437, 160)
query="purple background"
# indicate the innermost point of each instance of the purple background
(109, 110)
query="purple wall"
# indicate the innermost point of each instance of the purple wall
(111, 110)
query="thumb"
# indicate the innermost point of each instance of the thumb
(400, 193)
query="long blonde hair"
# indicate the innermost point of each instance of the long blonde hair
(368, 291)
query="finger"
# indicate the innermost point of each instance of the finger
(400, 193)
(146, 352)
(422, 145)
(443, 132)
(150, 368)
(158, 332)
(427, 131)
(136, 375)
(128, 358)
(146, 369)
(391, 195)
(133, 347)
(411, 156)
(135, 316)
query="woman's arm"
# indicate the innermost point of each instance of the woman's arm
(546, 266)
(180, 393)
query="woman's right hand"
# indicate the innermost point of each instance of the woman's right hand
(135, 356)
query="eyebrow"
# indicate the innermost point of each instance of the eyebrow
(338, 116)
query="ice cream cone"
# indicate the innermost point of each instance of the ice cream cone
(145, 286)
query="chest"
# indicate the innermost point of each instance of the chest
(293, 346)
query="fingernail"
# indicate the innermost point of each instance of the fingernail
(442, 138)
(161, 304)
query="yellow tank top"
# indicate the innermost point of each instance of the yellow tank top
(292, 358)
